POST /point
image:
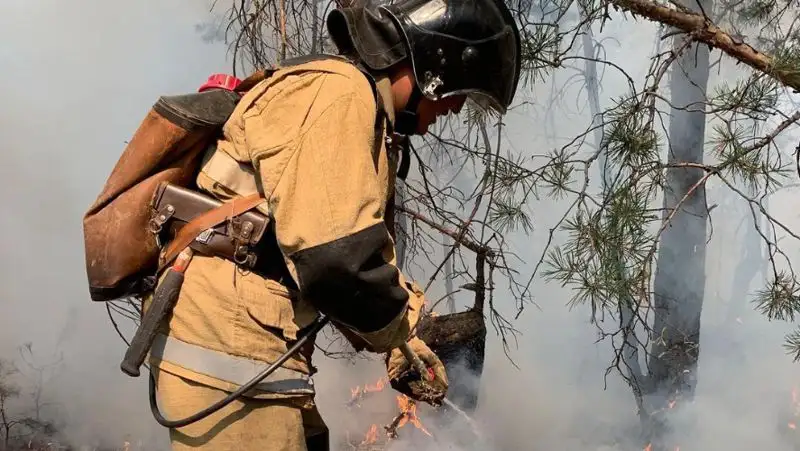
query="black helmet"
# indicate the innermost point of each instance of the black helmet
(457, 47)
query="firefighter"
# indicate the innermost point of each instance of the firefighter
(317, 140)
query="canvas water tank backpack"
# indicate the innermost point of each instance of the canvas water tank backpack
(122, 254)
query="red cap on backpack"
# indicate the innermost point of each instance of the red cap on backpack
(220, 81)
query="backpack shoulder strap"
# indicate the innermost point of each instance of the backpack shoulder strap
(381, 120)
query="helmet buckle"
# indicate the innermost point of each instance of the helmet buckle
(431, 83)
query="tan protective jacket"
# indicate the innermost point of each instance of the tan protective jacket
(305, 138)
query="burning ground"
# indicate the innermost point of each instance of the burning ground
(534, 408)
(406, 424)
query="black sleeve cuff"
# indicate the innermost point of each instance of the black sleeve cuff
(349, 280)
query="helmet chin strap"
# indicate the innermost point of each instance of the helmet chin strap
(406, 121)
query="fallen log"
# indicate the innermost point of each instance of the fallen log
(459, 339)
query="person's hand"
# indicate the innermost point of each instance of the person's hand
(406, 380)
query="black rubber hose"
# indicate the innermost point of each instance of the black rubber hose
(315, 327)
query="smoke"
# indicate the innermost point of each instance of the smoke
(77, 79)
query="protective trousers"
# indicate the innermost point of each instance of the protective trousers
(245, 424)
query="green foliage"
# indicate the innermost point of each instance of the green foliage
(629, 142)
(786, 56)
(558, 175)
(781, 298)
(746, 150)
(603, 257)
(754, 97)
(755, 12)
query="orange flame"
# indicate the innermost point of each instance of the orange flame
(371, 436)
(796, 408)
(649, 447)
(377, 386)
(357, 391)
(409, 412)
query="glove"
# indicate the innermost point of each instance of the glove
(395, 333)
(404, 379)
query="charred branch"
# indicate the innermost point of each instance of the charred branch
(480, 282)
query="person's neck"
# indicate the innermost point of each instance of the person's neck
(402, 79)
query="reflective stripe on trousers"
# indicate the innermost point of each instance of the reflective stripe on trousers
(234, 369)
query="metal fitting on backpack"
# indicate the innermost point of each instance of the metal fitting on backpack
(235, 239)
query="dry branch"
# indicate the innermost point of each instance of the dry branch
(706, 32)
(469, 244)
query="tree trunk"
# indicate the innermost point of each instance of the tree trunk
(749, 266)
(680, 268)
(315, 28)
(4, 421)
(734, 332)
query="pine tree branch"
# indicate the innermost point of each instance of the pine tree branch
(469, 244)
(704, 31)
(770, 137)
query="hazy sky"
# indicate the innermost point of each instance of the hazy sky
(77, 78)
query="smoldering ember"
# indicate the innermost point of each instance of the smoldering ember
(596, 232)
